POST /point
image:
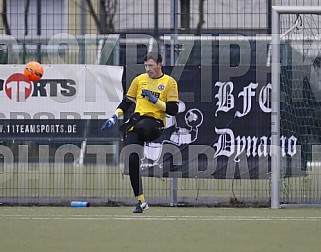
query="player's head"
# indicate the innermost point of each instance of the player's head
(155, 56)
(153, 64)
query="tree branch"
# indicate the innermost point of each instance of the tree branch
(26, 16)
(93, 14)
(111, 7)
(4, 17)
(201, 17)
(105, 20)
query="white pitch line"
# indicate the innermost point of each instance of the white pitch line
(157, 218)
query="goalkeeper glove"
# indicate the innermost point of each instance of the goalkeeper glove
(149, 95)
(110, 122)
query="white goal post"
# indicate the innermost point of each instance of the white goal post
(275, 78)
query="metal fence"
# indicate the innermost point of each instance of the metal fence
(120, 32)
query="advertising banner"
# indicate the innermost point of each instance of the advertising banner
(67, 101)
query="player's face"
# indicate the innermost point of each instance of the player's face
(153, 69)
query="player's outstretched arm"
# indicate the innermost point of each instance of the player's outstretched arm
(113, 119)
(109, 122)
(123, 107)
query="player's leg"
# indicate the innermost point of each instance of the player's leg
(149, 128)
(133, 119)
(134, 171)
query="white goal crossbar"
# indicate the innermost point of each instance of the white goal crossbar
(275, 115)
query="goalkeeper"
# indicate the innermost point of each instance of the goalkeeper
(154, 94)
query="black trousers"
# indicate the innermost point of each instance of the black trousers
(146, 129)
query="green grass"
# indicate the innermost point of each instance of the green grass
(159, 229)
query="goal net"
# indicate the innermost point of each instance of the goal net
(299, 109)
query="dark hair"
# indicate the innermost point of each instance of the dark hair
(154, 56)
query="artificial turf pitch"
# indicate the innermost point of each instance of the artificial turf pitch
(162, 229)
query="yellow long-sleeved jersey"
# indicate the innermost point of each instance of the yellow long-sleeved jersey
(164, 88)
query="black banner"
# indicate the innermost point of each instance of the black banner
(222, 129)
(55, 129)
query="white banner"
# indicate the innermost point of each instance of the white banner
(64, 92)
